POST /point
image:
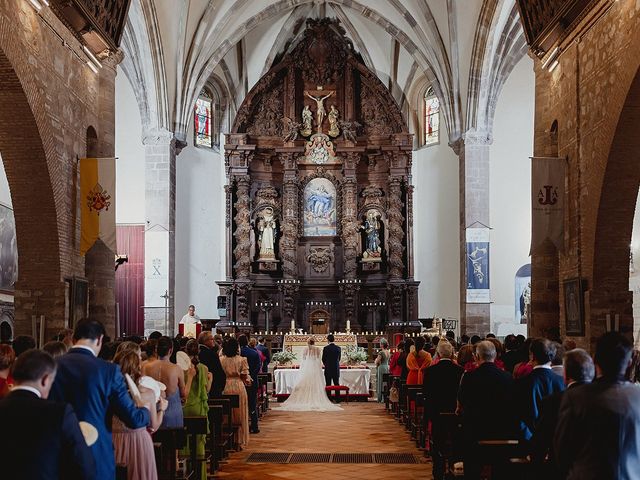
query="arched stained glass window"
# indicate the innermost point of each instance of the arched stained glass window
(203, 120)
(431, 117)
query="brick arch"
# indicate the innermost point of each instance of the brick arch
(32, 192)
(610, 282)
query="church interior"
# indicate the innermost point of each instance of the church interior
(412, 181)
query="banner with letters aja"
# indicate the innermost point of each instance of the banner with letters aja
(547, 201)
(478, 290)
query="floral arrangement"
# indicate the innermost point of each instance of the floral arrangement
(356, 354)
(284, 357)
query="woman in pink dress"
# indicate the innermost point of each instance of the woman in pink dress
(237, 370)
(134, 447)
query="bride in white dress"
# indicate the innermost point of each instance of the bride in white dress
(309, 393)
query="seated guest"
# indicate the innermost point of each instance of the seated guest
(511, 355)
(197, 403)
(210, 357)
(541, 382)
(440, 389)
(173, 377)
(7, 357)
(41, 439)
(22, 343)
(236, 369)
(485, 401)
(394, 368)
(261, 347)
(134, 446)
(417, 361)
(55, 349)
(598, 430)
(578, 370)
(466, 358)
(96, 389)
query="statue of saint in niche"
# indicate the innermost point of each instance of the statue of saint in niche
(320, 110)
(267, 234)
(334, 113)
(371, 228)
(307, 119)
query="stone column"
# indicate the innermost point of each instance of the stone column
(473, 151)
(159, 238)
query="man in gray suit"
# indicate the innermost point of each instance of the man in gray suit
(598, 432)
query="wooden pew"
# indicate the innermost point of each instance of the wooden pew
(216, 444)
(194, 426)
(168, 442)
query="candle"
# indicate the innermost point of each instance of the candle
(293, 324)
(348, 325)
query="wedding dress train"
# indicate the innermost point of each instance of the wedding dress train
(309, 393)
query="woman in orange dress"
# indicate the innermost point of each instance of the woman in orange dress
(417, 361)
(237, 370)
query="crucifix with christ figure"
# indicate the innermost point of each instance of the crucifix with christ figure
(319, 98)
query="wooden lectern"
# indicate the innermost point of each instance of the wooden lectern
(191, 330)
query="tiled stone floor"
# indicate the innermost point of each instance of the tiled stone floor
(361, 427)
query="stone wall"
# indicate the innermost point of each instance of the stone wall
(586, 95)
(49, 97)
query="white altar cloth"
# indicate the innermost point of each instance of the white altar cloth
(357, 379)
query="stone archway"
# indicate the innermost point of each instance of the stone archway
(610, 285)
(39, 290)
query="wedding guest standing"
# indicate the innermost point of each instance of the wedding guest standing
(402, 359)
(41, 439)
(96, 389)
(7, 357)
(55, 348)
(598, 432)
(253, 360)
(134, 446)
(265, 351)
(173, 377)
(237, 370)
(209, 355)
(394, 367)
(197, 400)
(417, 361)
(382, 364)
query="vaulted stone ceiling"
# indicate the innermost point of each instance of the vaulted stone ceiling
(465, 49)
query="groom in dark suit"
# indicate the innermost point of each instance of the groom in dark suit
(331, 358)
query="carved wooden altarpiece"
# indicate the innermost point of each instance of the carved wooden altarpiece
(320, 145)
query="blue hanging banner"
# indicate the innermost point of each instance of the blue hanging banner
(478, 290)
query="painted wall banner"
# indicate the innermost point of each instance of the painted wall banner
(478, 290)
(547, 201)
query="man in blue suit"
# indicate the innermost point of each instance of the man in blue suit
(96, 389)
(540, 383)
(253, 359)
(267, 355)
(331, 359)
(41, 439)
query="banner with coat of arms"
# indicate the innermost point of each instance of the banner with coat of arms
(547, 201)
(98, 203)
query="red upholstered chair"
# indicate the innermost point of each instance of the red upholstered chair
(334, 392)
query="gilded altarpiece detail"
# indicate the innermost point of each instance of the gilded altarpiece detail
(320, 147)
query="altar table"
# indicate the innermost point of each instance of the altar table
(357, 379)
